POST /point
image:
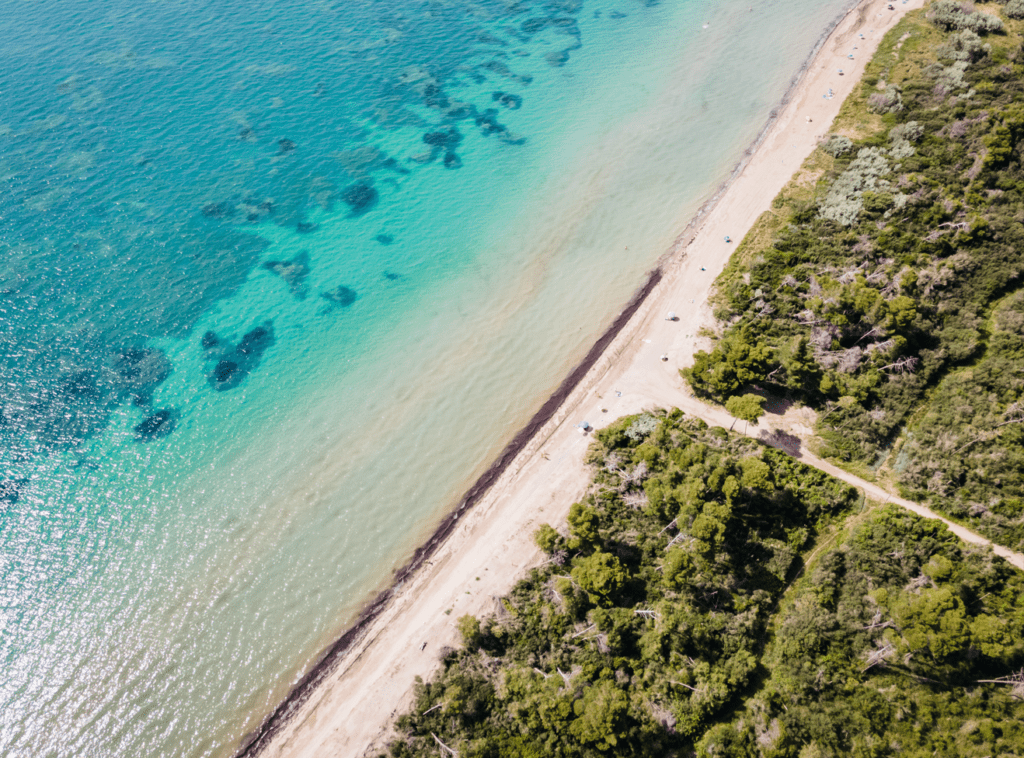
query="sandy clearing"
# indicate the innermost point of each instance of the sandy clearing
(350, 713)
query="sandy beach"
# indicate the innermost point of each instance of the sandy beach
(345, 707)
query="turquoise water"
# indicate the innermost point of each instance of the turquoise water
(278, 280)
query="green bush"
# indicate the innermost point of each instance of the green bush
(950, 15)
(889, 101)
(469, 630)
(746, 407)
(845, 198)
(648, 644)
(867, 296)
(547, 539)
(837, 145)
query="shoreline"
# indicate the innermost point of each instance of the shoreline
(254, 743)
(280, 730)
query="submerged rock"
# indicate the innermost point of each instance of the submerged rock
(447, 140)
(364, 160)
(294, 273)
(140, 371)
(456, 111)
(340, 296)
(285, 146)
(385, 239)
(509, 100)
(360, 198)
(238, 362)
(490, 126)
(489, 39)
(156, 425)
(210, 340)
(256, 210)
(222, 209)
(225, 371)
(451, 160)
(256, 341)
(80, 385)
(496, 67)
(534, 25)
(557, 58)
(10, 490)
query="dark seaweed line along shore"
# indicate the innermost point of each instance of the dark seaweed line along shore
(255, 742)
(713, 597)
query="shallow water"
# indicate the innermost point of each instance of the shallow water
(279, 280)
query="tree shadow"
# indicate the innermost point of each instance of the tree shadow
(784, 441)
(773, 404)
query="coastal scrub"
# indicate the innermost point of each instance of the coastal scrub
(706, 599)
(872, 292)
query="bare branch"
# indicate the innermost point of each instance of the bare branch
(874, 330)
(444, 747)
(592, 626)
(906, 364)
(880, 655)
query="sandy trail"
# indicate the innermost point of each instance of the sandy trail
(350, 713)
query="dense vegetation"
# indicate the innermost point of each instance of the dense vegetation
(965, 452)
(876, 273)
(655, 626)
(879, 652)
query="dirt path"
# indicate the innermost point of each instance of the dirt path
(716, 416)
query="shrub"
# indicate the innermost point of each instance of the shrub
(837, 145)
(909, 132)
(1015, 9)
(964, 46)
(889, 101)
(845, 198)
(950, 15)
(547, 539)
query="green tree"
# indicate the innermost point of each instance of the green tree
(757, 475)
(547, 538)
(600, 714)
(737, 361)
(803, 373)
(600, 575)
(583, 523)
(469, 629)
(747, 407)
(934, 621)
